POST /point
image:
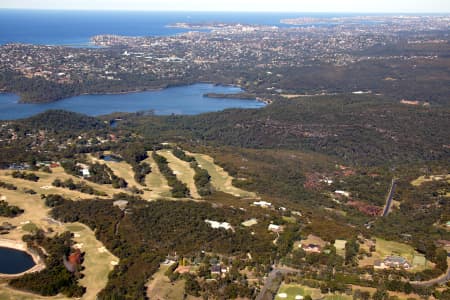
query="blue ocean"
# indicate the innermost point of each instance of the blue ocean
(74, 28)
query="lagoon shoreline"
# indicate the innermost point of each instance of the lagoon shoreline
(178, 100)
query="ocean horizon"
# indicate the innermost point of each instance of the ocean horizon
(76, 27)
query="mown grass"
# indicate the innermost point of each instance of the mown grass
(182, 170)
(97, 260)
(156, 182)
(220, 179)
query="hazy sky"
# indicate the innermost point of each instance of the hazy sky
(418, 6)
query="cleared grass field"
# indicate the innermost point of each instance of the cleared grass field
(422, 179)
(386, 248)
(401, 296)
(97, 260)
(160, 287)
(293, 290)
(155, 181)
(182, 170)
(220, 179)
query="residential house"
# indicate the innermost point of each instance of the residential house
(311, 248)
(85, 173)
(183, 269)
(342, 193)
(215, 270)
(395, 262)
(275, 228)
(444, 244)
(84, 170)
(217, 225)
(262, 204)
(250, 222)
(121, 204)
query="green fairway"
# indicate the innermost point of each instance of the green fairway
(220, 179)
(98, 261)
(155, 181)
(182, 170)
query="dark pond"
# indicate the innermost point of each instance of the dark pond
(14, 261)
(111, 158)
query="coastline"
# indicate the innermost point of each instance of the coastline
(237, 96)
(86, 94)
(21, 246)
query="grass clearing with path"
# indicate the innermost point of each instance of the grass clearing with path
(423, 179)
(401, 296)
(338, 297)
(220, 179)
(160, 287)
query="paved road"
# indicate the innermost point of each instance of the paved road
(439, 280)
(387, 207)
(276, 269)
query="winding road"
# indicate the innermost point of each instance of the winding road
(276, 269)
(438, 280)
(389, 197)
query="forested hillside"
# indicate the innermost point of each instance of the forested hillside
(365, 130)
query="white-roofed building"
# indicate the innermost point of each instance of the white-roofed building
(217, 225)
(262, 203)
